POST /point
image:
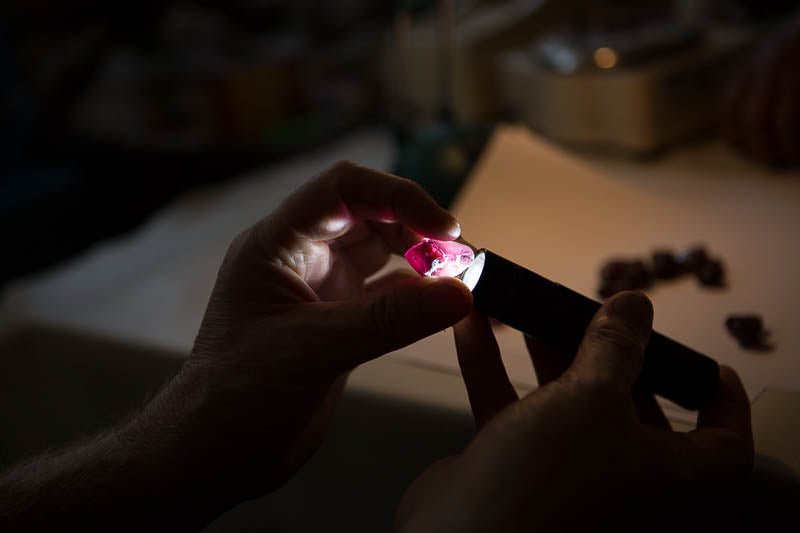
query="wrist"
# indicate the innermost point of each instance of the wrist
(168, 454)
(129, 478)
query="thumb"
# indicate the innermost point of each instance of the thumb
(393, 316)
(612, 350)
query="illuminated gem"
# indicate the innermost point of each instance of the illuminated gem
(439, 258)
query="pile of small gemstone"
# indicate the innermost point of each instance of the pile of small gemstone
(622, 275)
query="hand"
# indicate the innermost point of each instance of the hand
(582, 450)
(761, 114)
(290, 316)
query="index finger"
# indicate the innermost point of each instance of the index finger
(329, 205)
(488, 386)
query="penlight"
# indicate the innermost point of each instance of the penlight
(558, 316)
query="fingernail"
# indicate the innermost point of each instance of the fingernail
(634, 308)
(455, 230)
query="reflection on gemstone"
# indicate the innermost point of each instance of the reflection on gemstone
(439, 258)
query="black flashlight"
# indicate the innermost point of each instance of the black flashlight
(558, 317)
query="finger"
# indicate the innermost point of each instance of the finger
(730, 409)
(393, 236)
(366, 256)
(384, 320)
(547, 364)
(398, 239)
(392, 277)
(485, 377)
(722, 446)
(327, 206)
(612, 350)
(549, 367)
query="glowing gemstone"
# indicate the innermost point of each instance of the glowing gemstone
(439, 258)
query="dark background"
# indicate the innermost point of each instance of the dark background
(109, 109)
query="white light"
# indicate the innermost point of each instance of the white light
(472, 274)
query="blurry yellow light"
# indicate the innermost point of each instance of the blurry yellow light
(605, 57)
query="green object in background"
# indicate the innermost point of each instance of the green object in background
(440, 158)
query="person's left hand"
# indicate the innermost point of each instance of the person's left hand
(290, 316)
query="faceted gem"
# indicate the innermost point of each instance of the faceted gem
(439, 258)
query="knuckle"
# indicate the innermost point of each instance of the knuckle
(234, 251)
(615, 337)
(239, 241)
(341, 167)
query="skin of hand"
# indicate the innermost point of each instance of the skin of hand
(289, 317)
(761, 110)
(582, 451)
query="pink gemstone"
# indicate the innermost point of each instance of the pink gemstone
(439, 258)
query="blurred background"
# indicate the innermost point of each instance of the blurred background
(138, 138)
(108, 110)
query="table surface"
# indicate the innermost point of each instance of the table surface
(560, 214)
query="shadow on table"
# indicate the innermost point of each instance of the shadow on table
(56, 387)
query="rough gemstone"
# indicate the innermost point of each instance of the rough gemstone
(712, 274)
(614, 270)
(638, 275)
(694, 259)
(620, 275)
(439, 258)
(748, 329)
(665, 266)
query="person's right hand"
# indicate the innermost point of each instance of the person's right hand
(583, 450)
